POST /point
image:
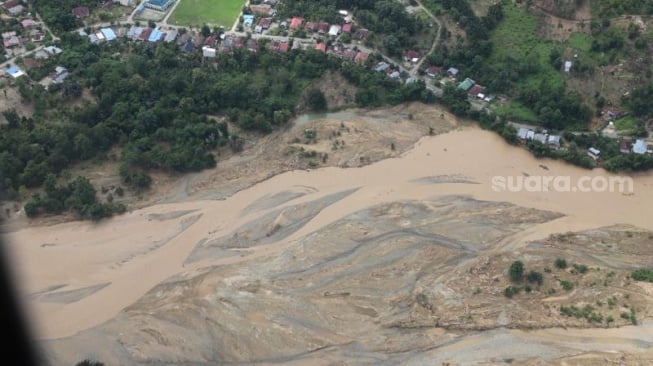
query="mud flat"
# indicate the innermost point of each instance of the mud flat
(384, 274)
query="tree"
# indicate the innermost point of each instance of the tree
(516, 271)
(316, 100)
(561, 263)
(88, 362)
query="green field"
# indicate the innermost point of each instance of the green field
(196, 13)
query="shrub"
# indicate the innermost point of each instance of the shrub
(580, 268)
(561, 263)
(510, 291)
(535, 277)
(566, 285)
(516, 271)
(642, 275)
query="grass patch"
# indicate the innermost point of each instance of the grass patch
(517, 112)
(625, 124)
(580, 41)
(200, 12)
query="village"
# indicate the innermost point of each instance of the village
(28, 43)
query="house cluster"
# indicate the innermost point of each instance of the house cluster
(326, 29)
(551, 140)
(386, 68)
(13, 7)
(15, 72)
(16, 36)
(638, 146)
(474, 90)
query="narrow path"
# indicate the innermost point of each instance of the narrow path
(413, 71)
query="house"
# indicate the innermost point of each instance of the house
(126, 2)
(80, 12)
(108, 4)
(28, 23)
(145, 34)
(283, 25)
(171, 35)
(310, 26)
(410, 81)
(640, 146)
(466, 84)
(322, 27)
(211, 40)
(188, 46)
(411, 56)
(346, 28)
(296, 22)
(252, 45)
(10, 4)
(567, 66)
(41, 55)
(271, 2)
(522, 133)
(395, 74)
(554, 141)
(476, 91)
(60, 74)
(625, 146)
(360, 34)
(381, 66)
(540, 137)
(433, 71)
(320, 47)
(159, 5)
(16, 10)
(248, 20)
(453, 72)
(283, 47)
(10, 39)
(208, 51)
(15, 72)
(594, 153)
(155, 36)
(99, 37)
(530, 134)
(109, 34)
(263, 9)
(614, 113)
(53, 50)
(265, 23)
(134, 32)
(347, 19)
(361, 57)
(344, 13)
(334, 30)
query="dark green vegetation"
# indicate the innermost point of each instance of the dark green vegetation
(609, 8)
(152, 105)
(78, 195)
(642, 275)
(391, 27)
(89, 363)
(57, 14)
(516, 271)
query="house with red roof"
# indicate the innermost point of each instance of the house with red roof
(361, 57)
(411, 56)
(296, 22)
(80, 12)
(321, 47)
(433, 71)
(265, 23)
(310, 26)
(346, 28)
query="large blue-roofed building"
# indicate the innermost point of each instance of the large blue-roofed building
(160, 5)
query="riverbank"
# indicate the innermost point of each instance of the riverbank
(173, 260)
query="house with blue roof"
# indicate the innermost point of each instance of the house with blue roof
(15, 72)
(155, 36)
(248, 20)
(108, 33)
(159, 5)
